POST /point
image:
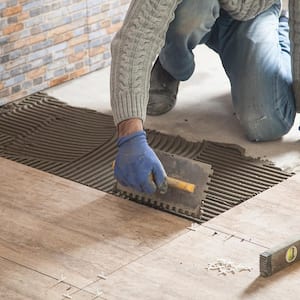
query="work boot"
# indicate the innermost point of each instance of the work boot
(163, 91)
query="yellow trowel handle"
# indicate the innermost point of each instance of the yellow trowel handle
(176, 183)
(181, 185)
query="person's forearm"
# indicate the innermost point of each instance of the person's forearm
(129, 126)
(133, 50)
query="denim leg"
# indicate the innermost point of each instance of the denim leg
(193, 20)
(256, 58)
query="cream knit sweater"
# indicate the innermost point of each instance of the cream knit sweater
(139, 41)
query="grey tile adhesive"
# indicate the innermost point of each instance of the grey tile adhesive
(80, 145)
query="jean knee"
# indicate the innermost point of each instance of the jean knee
(267, 127)
(193, 17)
(193, 20)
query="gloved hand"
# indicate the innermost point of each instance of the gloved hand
(137, 166)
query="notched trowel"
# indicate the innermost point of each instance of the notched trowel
(180, 199)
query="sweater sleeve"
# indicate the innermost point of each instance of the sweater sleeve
(134, 49)
(244, 10)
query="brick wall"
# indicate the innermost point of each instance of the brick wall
(44, 43)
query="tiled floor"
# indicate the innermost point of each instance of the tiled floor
(63, 240)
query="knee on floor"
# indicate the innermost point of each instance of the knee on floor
(266, 127)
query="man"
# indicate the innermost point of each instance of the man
(253, 43)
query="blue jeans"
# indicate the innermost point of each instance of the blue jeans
(255, 55)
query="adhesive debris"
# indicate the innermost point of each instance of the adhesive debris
(225, 267)
(98, 292)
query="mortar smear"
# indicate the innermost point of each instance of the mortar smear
(80, 145)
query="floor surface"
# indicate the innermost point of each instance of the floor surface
(63, 240)
(203, 110)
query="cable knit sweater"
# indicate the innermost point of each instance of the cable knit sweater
(136, 45)
(245, 9)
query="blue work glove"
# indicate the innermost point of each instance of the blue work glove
(137, 166)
